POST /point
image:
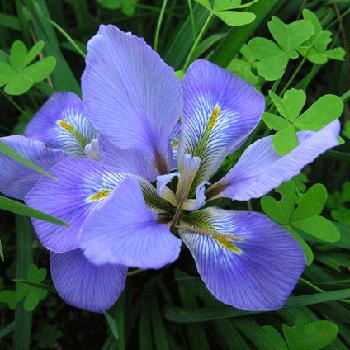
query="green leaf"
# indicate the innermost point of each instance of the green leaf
(110, 4)
(224, 5)
(338, 53)
(310, 336)
(319, 227)
(274, 210)
(236, 19)
(128, 7)
(40, 70)
(290, 36)
(322, 40)
(335, 261)
(311, 17)
(112, 325)
(284, 141)
(6, 73)
(18, 85)
(22, 209)
(1, 252)
(291, 104)
(272, 61)
(311, 203)
(10, 298)
(10, 152)
(205, 3)
(47, 336)
(243, 69)
(275, 337)
(326, 109)
(18, 54)
(34, 51)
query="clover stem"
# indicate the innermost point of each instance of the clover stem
(291, 79)
(197, 41)
(159, 24)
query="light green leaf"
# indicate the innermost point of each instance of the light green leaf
(311, 203)
(224, 5)
(275, 122)
(273, 209)
(243, 69)
(128, 7)
(338, 53)
(292, 103)
(40, 70)
(205, 3)
(310, 336)
(285, 140)
(319, 227)
(314, 56)
(18, 54)
(311, 17)
(346, 130)
(10, 152)
(326, 109)
(272, 61)
(290, 36)
(22, 209)
(275, 337)
(6, 73)
(322, 40)
(18, 85)
(236, 19)
(34, 51)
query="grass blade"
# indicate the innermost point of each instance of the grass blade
(23, 319)
(22, 209)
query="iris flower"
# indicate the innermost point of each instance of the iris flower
(132, 164)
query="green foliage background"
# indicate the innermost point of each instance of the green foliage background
(297, 53)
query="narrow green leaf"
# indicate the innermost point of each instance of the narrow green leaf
(112, 325)
(10, 22)
(159, 331)
(10, 152)
(275, 337)
(22, 209)
(23, 319)
(7, 330)
(1, 251)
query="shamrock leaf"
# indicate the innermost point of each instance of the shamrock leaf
(326, 109)
(337, 202)
(290, 36)
(19, 75)
(346, 130)
(30, 289)
(48, 336)
(223, 10)
(315, 50)
(310, 335)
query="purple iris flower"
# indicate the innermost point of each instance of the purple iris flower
(132, 165)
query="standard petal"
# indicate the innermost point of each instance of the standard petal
(261, 169)
(60, 123)
(255, 270)
(81, 186)
(131, 96)
(130, 161)
(16, 179)
(84, 285)
(220, 110)
(125, 231)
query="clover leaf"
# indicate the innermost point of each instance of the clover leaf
(223, 10)
(127, 6)
(19, 74)
(338, 201)
(316, 49)
(323, 111)
(48, 336)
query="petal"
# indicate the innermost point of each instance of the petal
(60, 124)
(125, 231)
(84, 285)
(261, 169)
(130, 161)
(16, 179)
(256, 273)
(81, 186)
(220, 110)
(132, 97)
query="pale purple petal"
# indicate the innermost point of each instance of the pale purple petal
(132, 97)
(261, 169)
(125, 231)
(261, 274)
(16, 179)
(131, 161)
(60, 123)
(84, 285)
(81, 186)
(220, 110)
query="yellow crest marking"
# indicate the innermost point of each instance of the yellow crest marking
(99, 195)
(69, 128)
(224, 241)
(214, 117)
